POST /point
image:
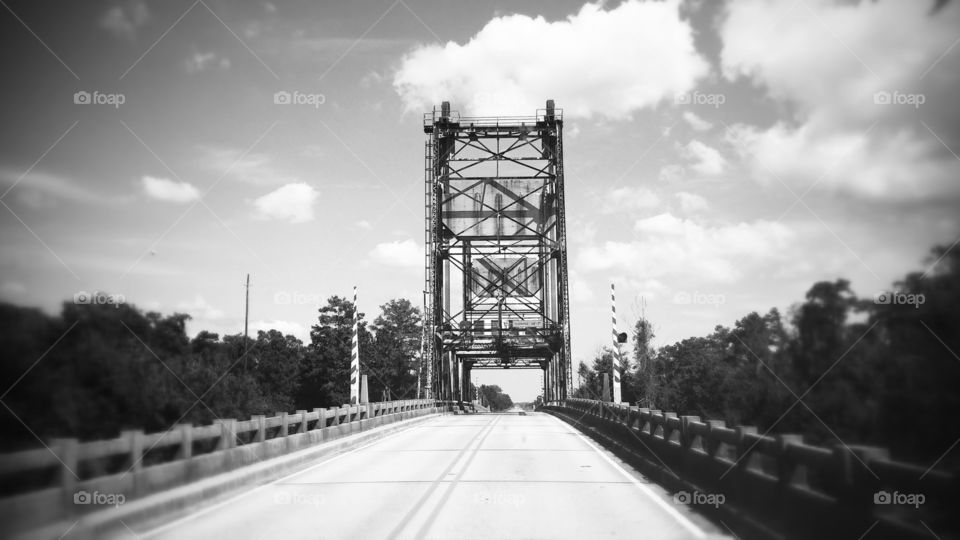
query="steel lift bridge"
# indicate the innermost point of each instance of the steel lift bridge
(496, 293)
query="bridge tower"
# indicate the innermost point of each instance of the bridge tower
(496, 285)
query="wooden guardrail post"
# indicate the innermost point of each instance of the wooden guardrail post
(228, 433)
(744, 463)
(134, 439)
(186, 441)
(713, 442)
(321, 418)
(857, 485)
(260, 434)
(302, 428)
(284, 423)
(667, 428)
(66, 451)
(787, 471)
(686, 432)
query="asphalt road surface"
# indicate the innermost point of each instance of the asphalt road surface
(470, 476)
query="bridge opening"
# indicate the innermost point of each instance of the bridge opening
(496, 283)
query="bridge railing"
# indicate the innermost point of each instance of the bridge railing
(52, 481)
(777, 481)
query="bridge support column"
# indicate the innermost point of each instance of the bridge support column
(546, 384)
(465, 394)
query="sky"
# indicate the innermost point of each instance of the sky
(720, 157)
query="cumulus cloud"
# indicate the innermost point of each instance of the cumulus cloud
(200, 308)
(625, 199)
(696, 122)
(691, 202)
(291, 328)
(198, 62)
(597, 62)
(402, 253)
(842, 79)
(292, 203)
(165, 189)
(12, 289)
(580, 290)
(41, 189)
(668, 246)
(123, 20)
(671, 173)
(237, 164)
(706, 160)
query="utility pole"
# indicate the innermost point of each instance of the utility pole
(246, 323)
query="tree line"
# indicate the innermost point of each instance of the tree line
(95, 370)
(882, 370)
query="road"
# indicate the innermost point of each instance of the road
(468, 476)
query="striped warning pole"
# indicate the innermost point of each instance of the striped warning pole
(615, 369)
(355, 354)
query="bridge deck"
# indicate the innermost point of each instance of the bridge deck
(472, 476)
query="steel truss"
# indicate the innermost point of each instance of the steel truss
(496, 293)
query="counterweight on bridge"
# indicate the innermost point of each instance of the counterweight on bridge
(496, 293)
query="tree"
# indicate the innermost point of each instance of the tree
(820, 327)
(643, 355)
(393, 362)
(276, 368)
(494, 397)
(325, 370)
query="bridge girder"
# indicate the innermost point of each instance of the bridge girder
(496, 290)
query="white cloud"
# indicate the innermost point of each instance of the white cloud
(42, 189)
(402, 253)
(626, 199)
(696, 122)
(292, 203)
(827, 62)
(198, 62)
(12, 289)
(898, 166)
(249, 167)
(170, 190)
(580, 290)
(125, 19)
(706, 159)
(598, 62)
(671, 173)
(691, 202)
(365, 225)
(284, 327)
(199, 308)
(672, 247)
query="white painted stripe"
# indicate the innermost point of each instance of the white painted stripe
(680, 518)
